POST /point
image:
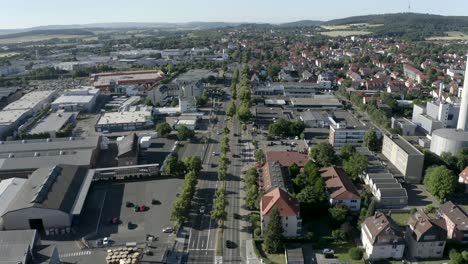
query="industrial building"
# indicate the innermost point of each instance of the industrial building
(110, 82)
(451, 140)
(407, 127)
(76, 100)
(315, 119)
(17, 112)
(316, 101)
(8, 95)
(19, 158)
(18, 246)
(435, 115)
(50, 198)
(405, 157)
(53, 123)
(136, 118)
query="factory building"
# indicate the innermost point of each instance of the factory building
(80, 99)
(136, 118)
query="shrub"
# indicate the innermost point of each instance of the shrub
(258, 232)
(355, 253)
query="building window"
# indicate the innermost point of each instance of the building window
(353, 201)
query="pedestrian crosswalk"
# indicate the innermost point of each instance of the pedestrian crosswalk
(75, 254)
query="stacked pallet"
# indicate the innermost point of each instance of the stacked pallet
(123, 255)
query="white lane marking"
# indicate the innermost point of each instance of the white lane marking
(100, 212)
(75, 254)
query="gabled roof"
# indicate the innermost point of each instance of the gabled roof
(383, 230)
(280, 199)
(286, 158)
(339, 186)
(421, 224)
(55, 187)
(464, 174)
(456, 214)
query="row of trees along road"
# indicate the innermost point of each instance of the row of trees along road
(191, 167)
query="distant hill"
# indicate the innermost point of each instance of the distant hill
(302, 23)
(408, 25)
(125, 25)
(80, 32)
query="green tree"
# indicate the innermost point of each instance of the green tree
(224, 145)
(184, 133)
(294, 170)
(219, 205)
(231, 110)
(355, 253)
(338, 214)
(244, 94)
(356, 165)
(193, 163)
(148, 102)
(273, 242)
(439, 181)
(243, 112)
(338, 235)
(163, 129)
(323, 154)
(455, 257)
(347, 151)
(259, 156)
(462, 158)
(226, 130)
(371, 141)
(174, 167)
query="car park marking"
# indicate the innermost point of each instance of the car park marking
(75, 254)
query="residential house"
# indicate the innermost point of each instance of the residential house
(375, 84)
(381, 238)
(425, 237)
(463, 178)
(274, 176)
(288, 209)
(340, 189)
(456, 219)
(287, 158)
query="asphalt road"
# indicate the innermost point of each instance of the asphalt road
(202, 238)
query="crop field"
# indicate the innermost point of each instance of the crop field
(8, 54)
(452, 35)
(351, 26)
(345, 33)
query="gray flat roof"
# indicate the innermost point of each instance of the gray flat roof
(384, 180)
(316, 100)
(405, 145)
(381, 186)
(53, 122)
(33, 145)
(382, 175)
(8, 190)
(391, 193)
(15, 244)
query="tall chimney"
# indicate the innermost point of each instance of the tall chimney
(462, 117)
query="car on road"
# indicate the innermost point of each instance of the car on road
(218, 132)
(114, 221)
(105, 241)
(215, 153)
(168, 230)
(202, 209)
(230, 244)
(235, 156)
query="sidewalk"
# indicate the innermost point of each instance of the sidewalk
(250, 253)
(179, 250)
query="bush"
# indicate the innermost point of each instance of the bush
(258, 232)
(355, 253)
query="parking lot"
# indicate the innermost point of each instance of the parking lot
(107, 201)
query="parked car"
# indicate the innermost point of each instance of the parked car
(105, 241)
(202, 209)
(129, 204)
(168, 230)
(155, 201)
(141, 208)
(329, 253)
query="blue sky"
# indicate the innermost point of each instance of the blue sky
(28, 13)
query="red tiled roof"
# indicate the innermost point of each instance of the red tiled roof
(464, 174)
(279, 198)
(339, 186)
(286, 158)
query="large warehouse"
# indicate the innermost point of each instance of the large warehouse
(50, 198)
(19, 158)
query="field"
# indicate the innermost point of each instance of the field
(351, 26)
(8, 54)
(341, 249)
(401, 218)
(40, 37)
(345, 33)
(452, 35)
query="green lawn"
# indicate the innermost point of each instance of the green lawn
(341, 250)
(269, 258)
(401, 218)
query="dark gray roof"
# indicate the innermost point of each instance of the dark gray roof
(55, 187)
(14, 245)
(383, 175)
(393, 193)
(381, 186)
(48, 144)
(385, 180)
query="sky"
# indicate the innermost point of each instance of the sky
(30, 13)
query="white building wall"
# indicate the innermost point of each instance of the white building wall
(352, 204)
(290, 225)
(19, 220)
(386, 251)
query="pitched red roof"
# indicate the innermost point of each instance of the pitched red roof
(280, 199)
(286, 158)
(339, 186)
(464, 174)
